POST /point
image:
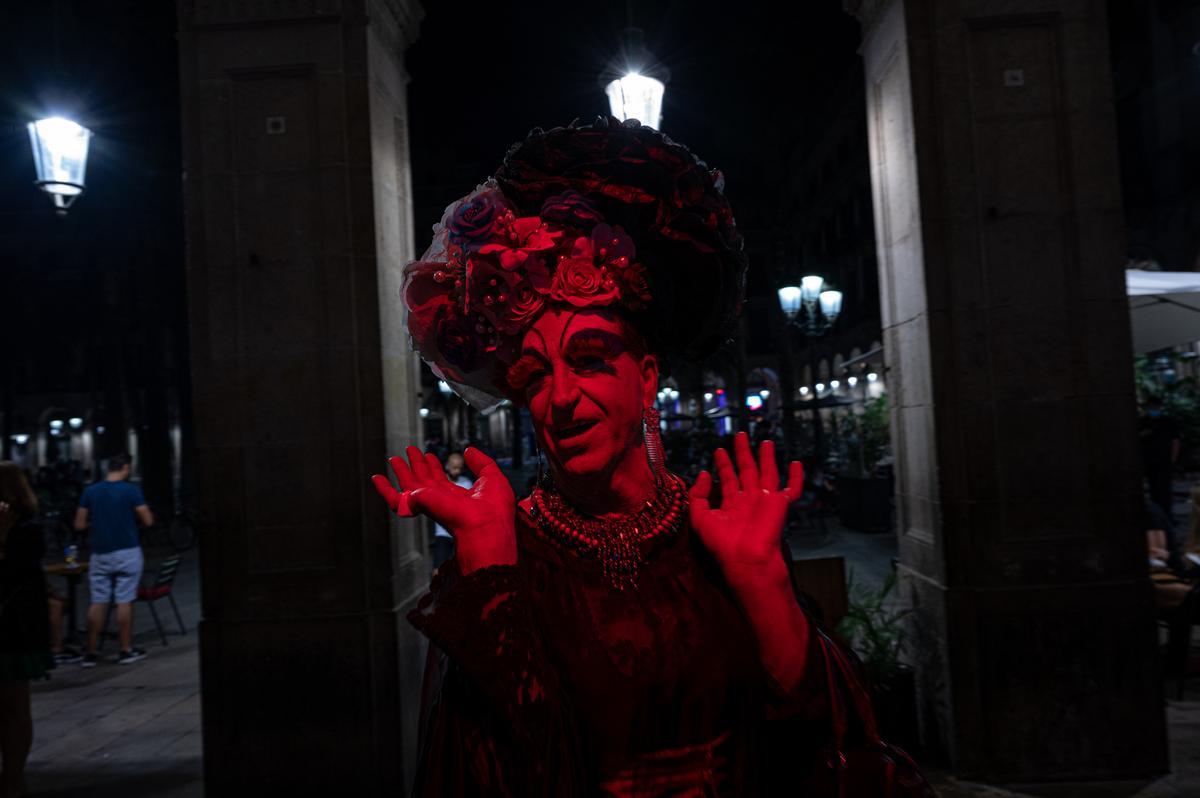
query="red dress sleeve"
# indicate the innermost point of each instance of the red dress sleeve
(497, 721)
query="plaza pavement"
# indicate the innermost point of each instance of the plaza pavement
(125, 730)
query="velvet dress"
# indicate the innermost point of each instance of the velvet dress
(545, 680)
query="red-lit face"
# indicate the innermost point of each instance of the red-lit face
(586, 391)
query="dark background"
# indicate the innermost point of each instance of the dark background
(93, 310)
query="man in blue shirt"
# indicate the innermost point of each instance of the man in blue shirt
(114, 507)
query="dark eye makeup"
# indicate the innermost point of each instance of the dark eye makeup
(587, 352)
(592, 348)
(528, 369)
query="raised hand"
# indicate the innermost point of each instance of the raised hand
(482, 517)
(743, 534)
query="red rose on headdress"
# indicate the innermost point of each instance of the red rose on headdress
(476, 219)
(635, 291)
(527, 237)
(425, 296)
(571, 208)
(524, 305)
(578, 281)
(460, 343)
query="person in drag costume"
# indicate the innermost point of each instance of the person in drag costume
(615, 633)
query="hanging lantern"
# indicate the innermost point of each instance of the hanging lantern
(636, 96)
(635, 83)
(60, 150)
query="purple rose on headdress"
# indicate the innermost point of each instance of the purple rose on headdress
(571, 208)
(476, 219)
(612, 244)
(460, 344)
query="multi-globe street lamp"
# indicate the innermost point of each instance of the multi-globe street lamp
(811, 308)
(60, 152)
(812, 305)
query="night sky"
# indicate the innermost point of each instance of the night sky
(482, 75)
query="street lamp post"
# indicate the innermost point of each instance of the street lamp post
(60, 152)
(811, 309)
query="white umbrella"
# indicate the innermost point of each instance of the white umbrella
(1164, 308)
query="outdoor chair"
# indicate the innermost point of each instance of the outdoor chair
(1178, 623)
(810, 508)
(161, 588)
(820, 586)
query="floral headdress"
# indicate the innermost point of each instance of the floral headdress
(587, 194)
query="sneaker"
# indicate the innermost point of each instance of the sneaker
(131, 656)
(66, 655)
(89, 661)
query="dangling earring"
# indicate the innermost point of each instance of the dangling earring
(652, 438)
(542, 473)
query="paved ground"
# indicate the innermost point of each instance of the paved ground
(125, 730)
(134, 731)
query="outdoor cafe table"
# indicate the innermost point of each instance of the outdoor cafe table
(72, 573)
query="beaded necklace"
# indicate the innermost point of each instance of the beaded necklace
(615, 542)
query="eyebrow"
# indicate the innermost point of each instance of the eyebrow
(531, 352)
(608, 336)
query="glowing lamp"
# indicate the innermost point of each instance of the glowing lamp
(76, 422)
(810, 287)
(20, 439)
(831, 304)
(60, 150)
(754, 402)
(444, 388)
(789, 300)
(636, 96)
(708, 397)
(635, 82)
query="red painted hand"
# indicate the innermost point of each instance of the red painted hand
(482, 517)
(743, 533)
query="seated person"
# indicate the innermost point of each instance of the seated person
(1166, 545)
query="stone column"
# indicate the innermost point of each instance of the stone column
(1000, 241)
(298, 217)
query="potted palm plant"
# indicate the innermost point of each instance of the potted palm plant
(874, 626)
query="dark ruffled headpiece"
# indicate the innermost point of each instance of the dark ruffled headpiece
(608, 214)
